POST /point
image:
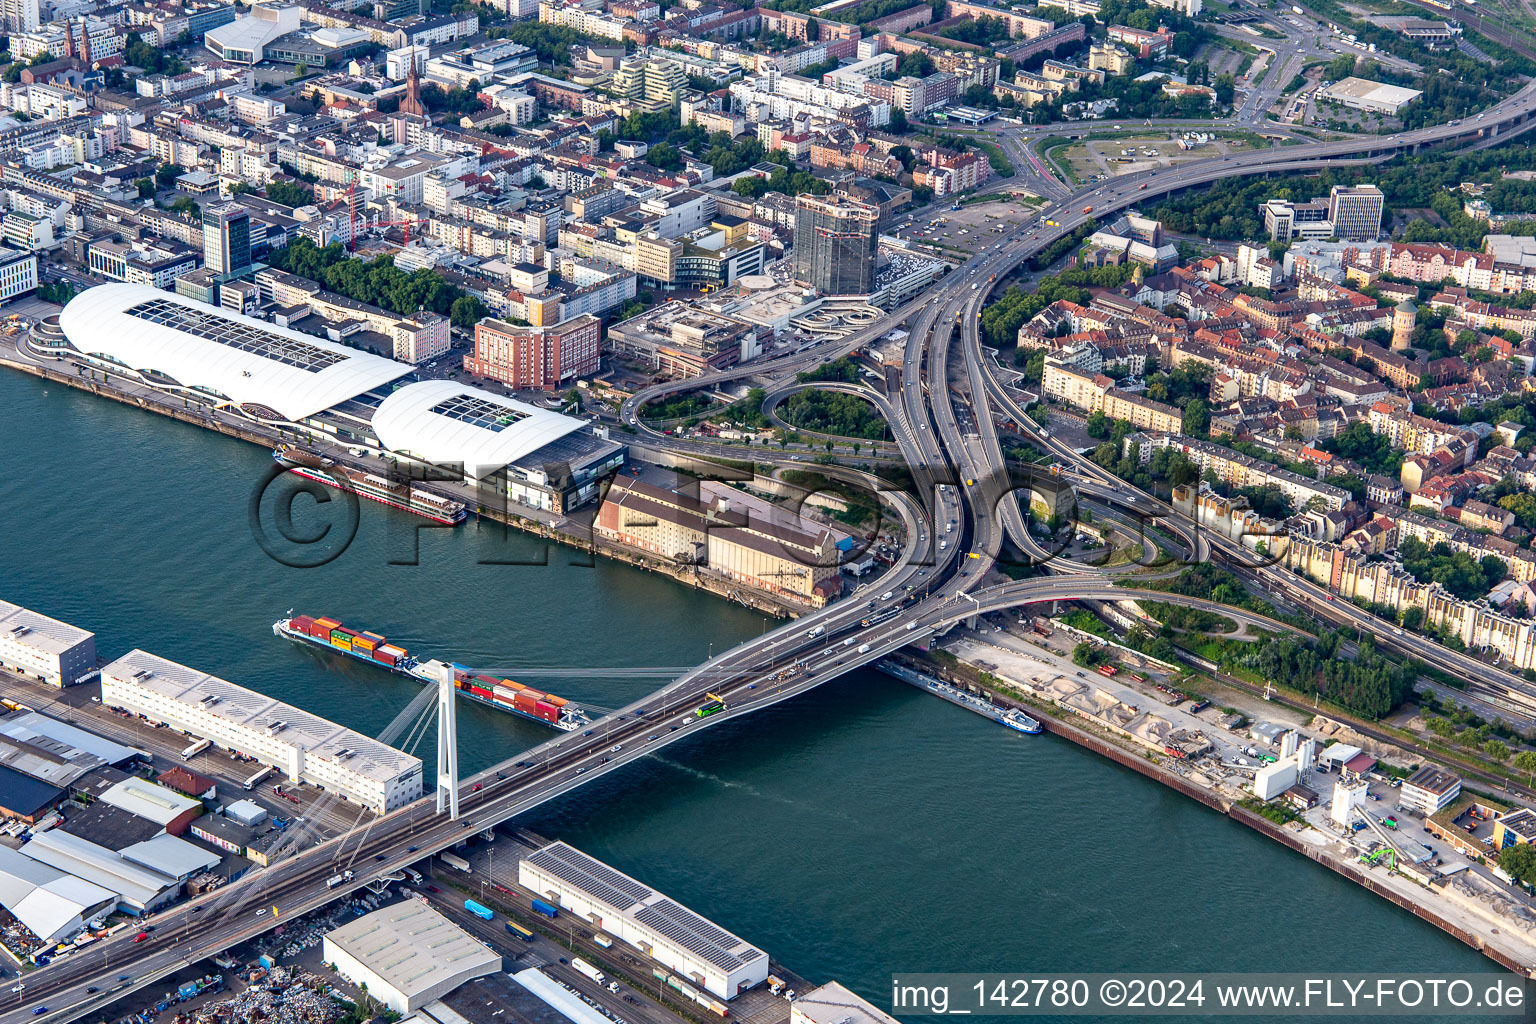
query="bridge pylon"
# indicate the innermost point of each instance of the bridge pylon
(447, 749)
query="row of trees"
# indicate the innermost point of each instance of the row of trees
(378, 282)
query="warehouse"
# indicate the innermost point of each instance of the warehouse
(38, 647)
(408, 955)
(672, 935)
(24, 797)
(183, 347)
(540, 458)
(167, 808)
(138, 888)
(834, 1004)
(1363, 94)
(40, 740)
(174, 858)
(305, 746)
(53, 905)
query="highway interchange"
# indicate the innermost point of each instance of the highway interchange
(942, 421)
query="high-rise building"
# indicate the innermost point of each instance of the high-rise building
(19, 15)
(546, 358)
(835, 243)
(1356, 212)
(226, 240)
(1350, 213)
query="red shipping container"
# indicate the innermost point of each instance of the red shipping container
(548, 711)
(481, 691)
(384, 657)
(301, 623)
(523, 702)
(394, 649)
(319, 629)
(535, 694)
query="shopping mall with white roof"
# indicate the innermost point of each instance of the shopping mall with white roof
(242, 367)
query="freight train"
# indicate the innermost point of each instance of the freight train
(501, 694)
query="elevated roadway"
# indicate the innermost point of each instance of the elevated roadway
(768, 669)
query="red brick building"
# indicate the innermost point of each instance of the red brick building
(545, 358)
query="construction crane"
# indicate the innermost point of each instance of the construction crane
(352, 219)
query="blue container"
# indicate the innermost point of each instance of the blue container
(545, 909)
(483, 913)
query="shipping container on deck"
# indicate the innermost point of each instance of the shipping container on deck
(459, 671)
(367, 642)
(547, 711)
(558, 702)
(327, 625)
(513, 685)
(481, 691)
(504, 695)
(303, 623)
(523, 702)
(390, 651)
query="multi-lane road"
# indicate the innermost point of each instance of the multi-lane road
(943, 426)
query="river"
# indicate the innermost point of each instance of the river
(859, 830)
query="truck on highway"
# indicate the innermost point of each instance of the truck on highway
(333, 881)
(484, 913)
(456, 862)
(815, 631)
(587, 969)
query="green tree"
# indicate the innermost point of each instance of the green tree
(1197, 418)
(1525, 763)
(466, 311)
(898, 125)
(1519, 861)
(167, 174)
(1498, 750)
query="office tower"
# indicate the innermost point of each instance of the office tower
(1356, 212)
(835, 242)
(226, 240)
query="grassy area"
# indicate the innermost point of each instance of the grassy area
(995, 156)
(1051, 148)
(1081, 618)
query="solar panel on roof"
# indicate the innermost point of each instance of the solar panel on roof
(604, 873)
(479, 412)
(593, 884)
(234, 334)
(692, 932)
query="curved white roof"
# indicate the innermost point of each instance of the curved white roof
(197, 345)
(451, 424)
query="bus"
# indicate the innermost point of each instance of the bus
(195, 749)
(714, 705)
(251, 782)
(519, 931)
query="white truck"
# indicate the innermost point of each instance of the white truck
(864, 648)
(455, 861)
(588, 970)
(335, 880)
(815, 631)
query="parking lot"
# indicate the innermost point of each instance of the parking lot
(965, 230)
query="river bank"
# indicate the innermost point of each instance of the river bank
(573, 531)
(1100, 719)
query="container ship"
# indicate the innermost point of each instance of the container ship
(501, 694)
(325, 470)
